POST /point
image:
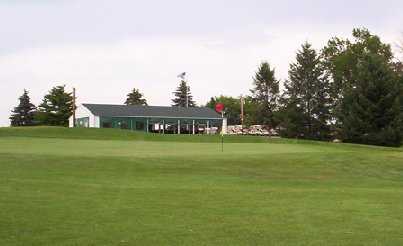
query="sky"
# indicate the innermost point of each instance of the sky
(106, 48)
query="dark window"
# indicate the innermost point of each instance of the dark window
(139, 125)
(124, 125)
(106, 125)
(82, 122)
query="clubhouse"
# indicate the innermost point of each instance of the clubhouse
(157, 119)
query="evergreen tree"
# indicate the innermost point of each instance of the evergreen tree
(183, 96)
(57, 107)
(23, 114)
(340, 58)
(366, 88)
(265, 93)
(306, 98)
(291, 118)
(135, 98)
(372, 108)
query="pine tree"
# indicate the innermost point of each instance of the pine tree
(266, 94)
(23, 114)
(183, 96)
(57, 107)
(135, 98)
(372, 108)
(366, 88)
(306, 100)
(291, 117)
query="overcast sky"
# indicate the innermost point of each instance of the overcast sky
(105, 48)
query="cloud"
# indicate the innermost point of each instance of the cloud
(105, 73)
(105, 48)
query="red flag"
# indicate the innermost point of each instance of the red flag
(219, 107)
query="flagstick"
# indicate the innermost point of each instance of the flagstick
(222, 132)
(222, 142)
(219, 108)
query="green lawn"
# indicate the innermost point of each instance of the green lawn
(111, 187)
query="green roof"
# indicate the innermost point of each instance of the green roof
(108, 110)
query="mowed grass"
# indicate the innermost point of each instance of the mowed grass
(110, 187)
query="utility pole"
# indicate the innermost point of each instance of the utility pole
(74, 107)
(242, 112)
(187, 95)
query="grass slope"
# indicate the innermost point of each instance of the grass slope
(71, 187)
(116, 134)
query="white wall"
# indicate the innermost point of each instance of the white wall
(97, 123)
(82, 112)
(224, 126)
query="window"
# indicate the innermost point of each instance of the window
(106, 125)
(139, 125)
(82, 122)
(123, 125)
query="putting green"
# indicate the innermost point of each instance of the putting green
(81, 187)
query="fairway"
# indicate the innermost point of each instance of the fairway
(114, 187)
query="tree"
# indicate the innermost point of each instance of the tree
(232, 108)
(265, 93)
(57, 107)
(23, 114)
(340, 58)
(400, 46)
(367, 89)
(183, 97)
(306, 100)
(371, 108)
(135, 98)
(399, 63)
(251, 112)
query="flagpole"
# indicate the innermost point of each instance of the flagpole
(222, 132)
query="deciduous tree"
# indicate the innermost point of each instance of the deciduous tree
(367, 89)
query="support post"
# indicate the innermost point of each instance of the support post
(74, 107)
(208, 127)
(224, 126)
(147, 126)
(193, 127)
(163, 126)
(179, 126)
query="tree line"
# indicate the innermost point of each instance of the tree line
(350, 90)
(55, 110)
(58, 105)
(182, 97)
